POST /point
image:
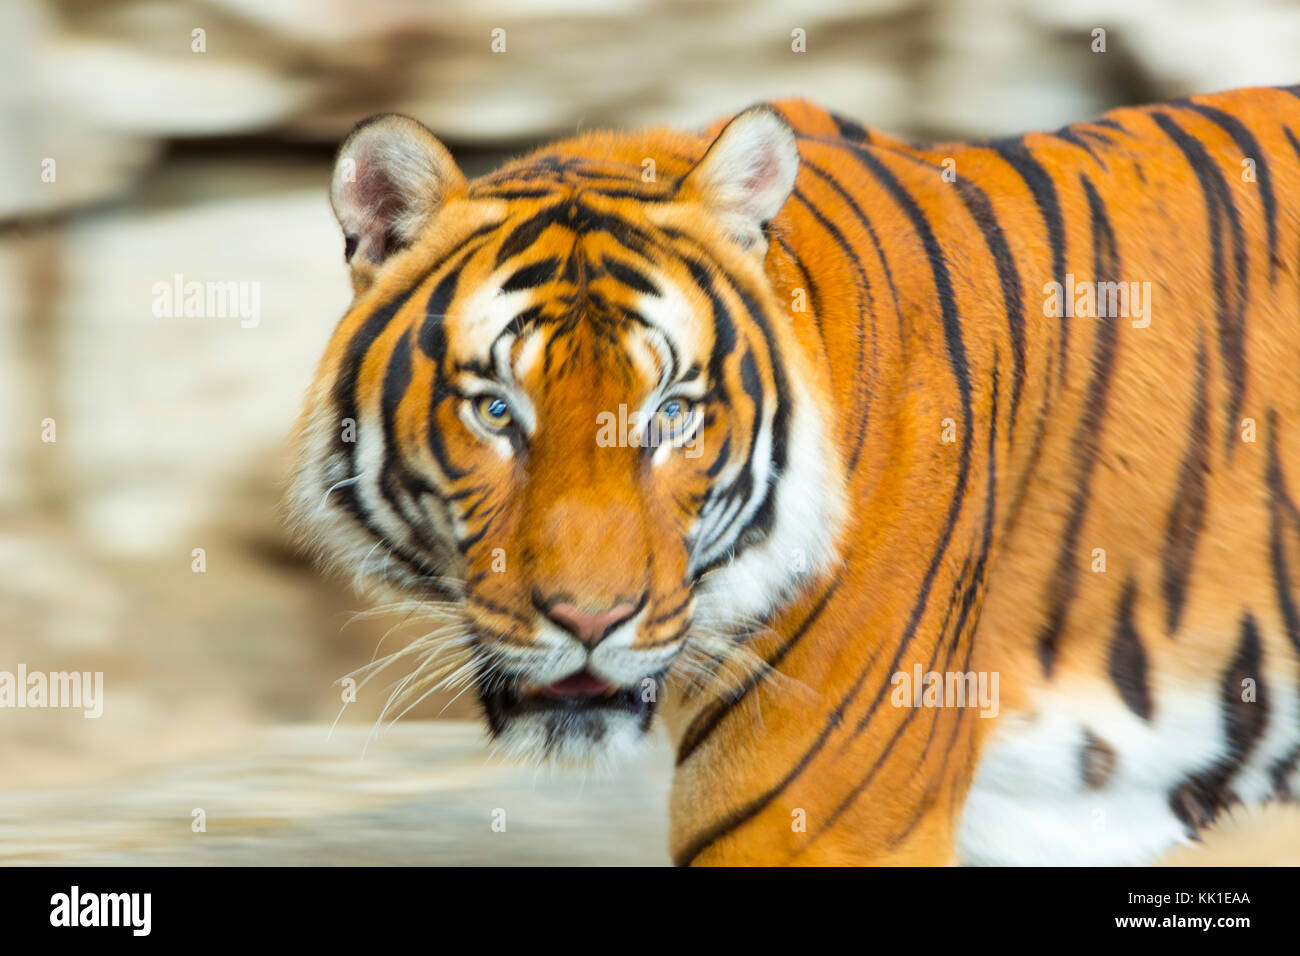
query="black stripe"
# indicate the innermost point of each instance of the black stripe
(609, 192)
(724, 329)
(1069, 135)
(433, 330)
(1035, 451)
(1127, 661)
(763, 518)
(399, 486)
(584, 219)
(720, 461)
(707, 720)
(531, 276)
(965, 581)
(1085, 131)
(809, 285)
(1064, 581)
(522, 192)
(851, 129)
(1200, 798)
(861, 381)
(433, 343)
(630, 276)
(397, 379)
(1187, 516)
(1283, 515)
(741, 489)
(1043, 189)
(1230, 316)
(345, 386)
(1295, 144)
(1013, 303)
(862, 384)
(527, 232)
(344, 395)
(533, 167)
(1250, 149)
(725, 342)
(751, 809)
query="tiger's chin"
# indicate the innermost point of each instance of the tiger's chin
(576, 722)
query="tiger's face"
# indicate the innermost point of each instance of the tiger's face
(567, 417)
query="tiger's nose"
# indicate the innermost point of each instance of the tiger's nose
(587, 627)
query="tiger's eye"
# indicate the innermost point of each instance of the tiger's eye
(494, 412)
(673, 416)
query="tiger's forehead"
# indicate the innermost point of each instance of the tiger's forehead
(550, 174)
(525, 333)
(519, 305)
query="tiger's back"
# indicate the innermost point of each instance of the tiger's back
(1156, 643)
(1124, 549)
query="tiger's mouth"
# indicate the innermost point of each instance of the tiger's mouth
(572, 717)
(578, 693)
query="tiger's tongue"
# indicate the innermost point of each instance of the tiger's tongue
(581, 684)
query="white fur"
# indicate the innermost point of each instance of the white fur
(749, 172)
(803, 542)
(1030, 806)
(810, 505)
(409, 159)
(527, 739)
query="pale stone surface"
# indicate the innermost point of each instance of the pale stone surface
(422, 794)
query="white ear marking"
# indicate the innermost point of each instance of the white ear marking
(748, 173)
(390, 176)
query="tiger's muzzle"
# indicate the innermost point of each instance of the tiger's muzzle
(586, 685)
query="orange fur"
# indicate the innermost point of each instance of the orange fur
(925, 303)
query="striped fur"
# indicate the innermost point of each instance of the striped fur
(905, 461)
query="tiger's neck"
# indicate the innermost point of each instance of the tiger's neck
(826, 752)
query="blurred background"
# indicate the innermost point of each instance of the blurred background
(148, 140)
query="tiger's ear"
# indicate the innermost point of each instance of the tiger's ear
(747, 175)
(390, 177)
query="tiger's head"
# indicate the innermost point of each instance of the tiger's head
(568, 414)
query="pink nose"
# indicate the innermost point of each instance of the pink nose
(591, 629)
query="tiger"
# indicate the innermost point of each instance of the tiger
(938, 500)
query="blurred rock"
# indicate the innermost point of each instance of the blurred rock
(107, 81)
(162, 414)
(1179, 48)
(20, 419)
(186, 94)
(423, 795)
